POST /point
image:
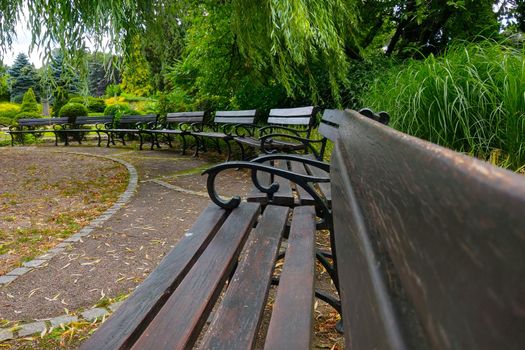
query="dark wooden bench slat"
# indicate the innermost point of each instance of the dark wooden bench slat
(284, 195)
(236, 322)
(178, 323)
(324, 187)
(291, 323)
(127, 323)
(304, 197)
(452, 228)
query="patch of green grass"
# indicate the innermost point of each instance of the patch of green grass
(470, 99)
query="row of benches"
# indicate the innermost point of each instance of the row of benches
(426, 253)
(293, 124)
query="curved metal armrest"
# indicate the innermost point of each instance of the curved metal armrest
(293, 157)
(266, 142)
(106, 126)
(273, 128)
(15, 128)
(185, 126)
(142, 125)
(196, 127)
(242, 130)
(304, 181)
(58, 127)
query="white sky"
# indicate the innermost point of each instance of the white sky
(21, 45)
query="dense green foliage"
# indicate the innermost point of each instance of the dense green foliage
(23, 76)
(119, 109)
(91, 103)
(72, 110)
(29, 103)
(205, 55)
(8, 112)
(471, 99)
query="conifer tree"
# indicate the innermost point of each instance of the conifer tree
(23, 76)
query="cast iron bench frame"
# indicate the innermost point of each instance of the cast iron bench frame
(123, 127)
(222, 128)
(35, 126)
(75, 128)
(282, 123)
(179, 123)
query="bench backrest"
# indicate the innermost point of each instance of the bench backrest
(133, 119)
(87, 120)
(41, 121)
(246, 116)
(430, 243)
(304, 116)
(185, 117)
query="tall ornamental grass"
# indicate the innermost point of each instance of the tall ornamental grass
(472, 99)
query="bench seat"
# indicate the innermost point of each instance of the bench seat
(239, 245)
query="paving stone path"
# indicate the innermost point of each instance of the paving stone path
(111, 259)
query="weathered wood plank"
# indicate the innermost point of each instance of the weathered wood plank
(284, 195)
(304, 197)
(452, 228)
(292, 316)
(368, 314)
(127, 323)
(236, 322)
(292, 112)
(178, 323)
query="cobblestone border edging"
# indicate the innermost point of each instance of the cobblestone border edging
(46, 325)
(86, 230)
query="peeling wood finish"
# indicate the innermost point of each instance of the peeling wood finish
(435, 248)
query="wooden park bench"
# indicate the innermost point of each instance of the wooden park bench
(128, 125)
(286, 131)
(81, 126)
(223, 127)
(35, 126)
(177, 124)
(428, 247)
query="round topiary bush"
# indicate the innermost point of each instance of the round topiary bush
(25, 115)
(119, 109)
(73, 110)
(96, 105)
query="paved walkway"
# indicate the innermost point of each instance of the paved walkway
(115, 257)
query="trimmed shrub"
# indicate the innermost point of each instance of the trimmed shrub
(6, 121)
(8, 112)
(73, 110)
(29, 103)
(26, 115)
(93, 104)
(119, 109)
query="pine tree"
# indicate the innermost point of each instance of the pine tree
(64, 75)
(23, 76)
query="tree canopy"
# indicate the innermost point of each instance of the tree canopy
(305, 46)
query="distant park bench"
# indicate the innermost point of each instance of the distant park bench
(222, 128)
(180, 123)
(427, 253)
(128, 125)
(286, 130)
(81, 126)
(35, 126)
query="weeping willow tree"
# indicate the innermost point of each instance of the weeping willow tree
(282, 36)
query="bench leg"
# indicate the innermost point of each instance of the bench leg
(141, 140)
(12, 140)
(99, 138)
(183, 138)
(229, 149)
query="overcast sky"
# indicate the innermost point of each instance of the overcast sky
(21, 44)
